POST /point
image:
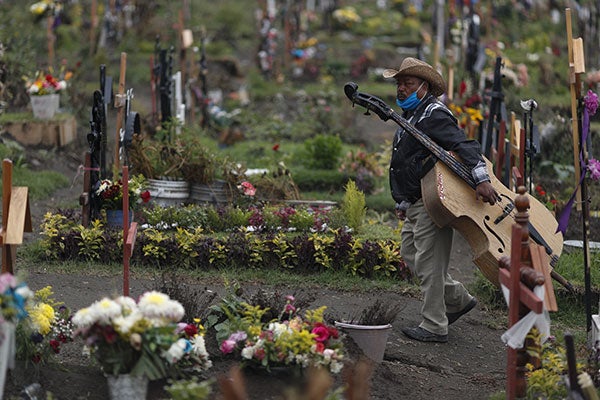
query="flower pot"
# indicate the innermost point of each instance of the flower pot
(217, 192)
(371, 339)
(166, 192)
(127, 387)
(45, 106)
(114, 218)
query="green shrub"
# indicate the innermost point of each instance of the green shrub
(326, 180)
(323, 152)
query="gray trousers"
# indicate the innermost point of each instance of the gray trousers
(426, 250)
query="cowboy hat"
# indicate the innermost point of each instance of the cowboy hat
(420, 69)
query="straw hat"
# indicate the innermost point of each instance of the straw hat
(413, 67)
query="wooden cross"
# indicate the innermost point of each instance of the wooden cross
(16, 217)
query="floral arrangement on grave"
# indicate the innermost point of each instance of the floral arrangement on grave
(291, 340)
(111, 193)
(48, 82)
(45, 330)
(14, 296)
(143, 338)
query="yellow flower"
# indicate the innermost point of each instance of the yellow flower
(42, 316)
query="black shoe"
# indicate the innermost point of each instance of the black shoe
(452, 317)
(423, 335)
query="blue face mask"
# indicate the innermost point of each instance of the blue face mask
(411, 102)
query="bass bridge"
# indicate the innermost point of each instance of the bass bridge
(505, 212)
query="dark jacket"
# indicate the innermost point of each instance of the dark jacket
(411, 160)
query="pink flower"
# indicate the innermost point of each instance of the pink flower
(227, 346)
(594, 168)
(321, 331)
(247, 188)
(591, 102)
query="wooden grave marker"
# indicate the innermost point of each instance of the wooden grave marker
(16, 217)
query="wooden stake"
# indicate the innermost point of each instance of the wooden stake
(120, 105)
(574, 86)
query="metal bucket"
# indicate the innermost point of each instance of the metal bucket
(217, 192)
(168, 192)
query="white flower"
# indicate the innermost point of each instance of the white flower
(176, 351)
(24, 292)
(33, 89)
(248, 352)
(199, 346)
(127, 303)
(62, 85)
(158, 305)
(124, 324)
(84, 318)
(105, 310)
(335, 367)
(277, 328)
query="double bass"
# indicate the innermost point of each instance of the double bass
(448, 195)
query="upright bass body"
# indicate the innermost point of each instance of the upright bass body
(451, 201)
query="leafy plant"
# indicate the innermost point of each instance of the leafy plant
(323, 151)
(354, 206)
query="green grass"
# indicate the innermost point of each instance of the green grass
(41, 184)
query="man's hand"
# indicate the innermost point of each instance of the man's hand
(401, 214)
(486, 192)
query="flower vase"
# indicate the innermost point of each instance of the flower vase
(371, 339)
(114, 218)
(7, 350)
(127, 387)
(45, 106)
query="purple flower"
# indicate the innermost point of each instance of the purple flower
(591, 102)
(238, 336)
(594, 168)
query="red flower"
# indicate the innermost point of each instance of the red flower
(145, 196)
(55, 344)
(276, 147)
(320, 347)
(110, 335)
(191, 330)
(259, 354)
(321, 331)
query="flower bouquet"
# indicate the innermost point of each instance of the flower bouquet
(290, 340)
(45, 329)
(44, 90)
(14, 297)
(144, 338)
(110, 193)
